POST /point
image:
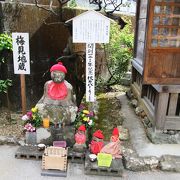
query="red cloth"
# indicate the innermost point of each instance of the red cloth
(80, 138)
(98, 134)
(59, 67)
(95, 147)
(82, 128)
(57, 91)
(114, 138)
(112, 148)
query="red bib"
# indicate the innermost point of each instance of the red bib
(57, 91)
(95, 147)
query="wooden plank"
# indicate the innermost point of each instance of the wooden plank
(172, 122)
(154, 98)
(143, 103)
(162, 81)
(23, 93)
(173, 104)
(142, 30)
(149, 110)
(137, 64)
(140, 50)
(149, 103)
(143, 9)
(170, 89)
(160, 110)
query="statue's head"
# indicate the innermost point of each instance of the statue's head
(58, 72)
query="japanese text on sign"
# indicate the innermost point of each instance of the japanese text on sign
(91, 30)
(21, 53)
(90, 71)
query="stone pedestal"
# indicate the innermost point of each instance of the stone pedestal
(47, 136)
(31, 138)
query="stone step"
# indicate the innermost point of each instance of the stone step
(170, 163)
(28, 152)
(54, 173)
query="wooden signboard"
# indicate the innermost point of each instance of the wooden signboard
(90, 27)
(21, 61)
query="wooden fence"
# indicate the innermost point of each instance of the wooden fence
(161, 103)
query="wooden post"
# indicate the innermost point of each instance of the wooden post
(161, 109)
(23, 93)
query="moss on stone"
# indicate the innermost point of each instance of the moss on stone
(108, 114)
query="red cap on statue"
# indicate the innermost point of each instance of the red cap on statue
(115, 132)
(98, 134)
(82, 128)
(59, 67)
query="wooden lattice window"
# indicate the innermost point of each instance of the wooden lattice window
(166, 24)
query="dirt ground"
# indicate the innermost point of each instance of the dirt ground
(10, 123)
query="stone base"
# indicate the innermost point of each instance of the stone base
(54, 173)
(76, 157)
(29, 152)
(92, 168)
(47, 136)
(162, 138)
(58, 114)
(170, 163)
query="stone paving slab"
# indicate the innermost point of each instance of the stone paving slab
(139, 140)
(28, 152)
(170, 163)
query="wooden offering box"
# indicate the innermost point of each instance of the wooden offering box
(55, 158)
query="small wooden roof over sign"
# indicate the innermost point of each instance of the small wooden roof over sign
(90, 27)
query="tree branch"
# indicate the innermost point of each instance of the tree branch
(50, 9)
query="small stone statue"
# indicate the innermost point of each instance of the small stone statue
(97, 142)
(58, 100)
(80, 138)
(114, 147)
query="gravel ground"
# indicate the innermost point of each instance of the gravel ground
(10, 126)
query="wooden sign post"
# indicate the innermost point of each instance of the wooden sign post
(90, 27)
(21, 60)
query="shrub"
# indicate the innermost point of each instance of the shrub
(119, 52)
(5, 44)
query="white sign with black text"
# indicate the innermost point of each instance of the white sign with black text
(90, 71)
(21, 55)
(91, 28)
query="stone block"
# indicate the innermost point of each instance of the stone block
(28, 152)
(53, 173)
(92, 168)
(123, 133)
(170, 163)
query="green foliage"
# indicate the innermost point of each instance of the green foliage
(4, 84)
(72, 4)
(5, 44)
(84, 116)
(119, 51)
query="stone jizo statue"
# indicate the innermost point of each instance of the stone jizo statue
(58, 100)
(80, 139)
